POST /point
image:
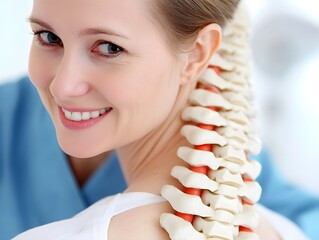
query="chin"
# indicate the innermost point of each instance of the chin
(78, 154)
(79, 149)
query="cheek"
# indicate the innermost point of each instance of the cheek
(152, 97)
(162, 85)
(40, 68)
(142, 89)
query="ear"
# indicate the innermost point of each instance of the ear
(205, 45)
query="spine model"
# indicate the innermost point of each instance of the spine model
(220, 189)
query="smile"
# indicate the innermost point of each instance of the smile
(77, 120)
(83, 116)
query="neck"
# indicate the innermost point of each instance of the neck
(83, 168)
(147, 162)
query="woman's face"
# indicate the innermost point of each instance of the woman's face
(103, 71)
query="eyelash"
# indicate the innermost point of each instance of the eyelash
(99, 43)
(40, 41)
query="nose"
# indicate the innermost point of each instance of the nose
(70, 78)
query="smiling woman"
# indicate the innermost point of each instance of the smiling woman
(118, 75)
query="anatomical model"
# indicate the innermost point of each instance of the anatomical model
(220, 188)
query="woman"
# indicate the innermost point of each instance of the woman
(117, 75)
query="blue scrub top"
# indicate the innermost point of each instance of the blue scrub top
(37, 185)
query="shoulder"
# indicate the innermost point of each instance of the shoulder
(19, 88)
(274, 226)
(22, 118)
(18, 97)
(141, 223)
(21, 107)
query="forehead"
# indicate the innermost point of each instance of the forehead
(125, 15)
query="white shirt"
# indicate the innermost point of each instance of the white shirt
(93, 222)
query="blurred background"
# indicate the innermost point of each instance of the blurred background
(285, 61)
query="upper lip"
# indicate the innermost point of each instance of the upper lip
(71, 108)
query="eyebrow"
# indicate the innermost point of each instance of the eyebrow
(96, 31)
(87, 31)
(39, 22)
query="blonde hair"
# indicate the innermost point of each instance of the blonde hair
(183, 19)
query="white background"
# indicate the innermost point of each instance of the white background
(285, 40)
(15, 38)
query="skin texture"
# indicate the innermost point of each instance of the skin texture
(145, 84)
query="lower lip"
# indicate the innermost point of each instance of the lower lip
(79, 125)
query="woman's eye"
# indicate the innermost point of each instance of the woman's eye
(48, 38)
(108, 49)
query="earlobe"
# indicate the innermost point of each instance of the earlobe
(205, 45)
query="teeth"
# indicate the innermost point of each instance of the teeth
(86, 116)
(95, 114)
(76, 116)
(79, 116)
(68, 114)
